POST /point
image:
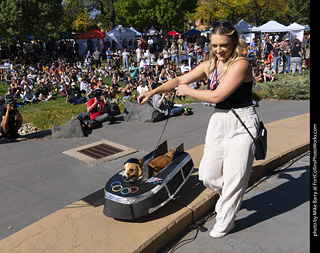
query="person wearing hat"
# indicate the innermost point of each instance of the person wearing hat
(144, 63)
(74, 95)
(10, 96)
(286, 56)
(10, 120)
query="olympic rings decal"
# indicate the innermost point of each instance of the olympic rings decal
(117, 187)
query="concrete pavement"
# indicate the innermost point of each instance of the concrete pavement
(81, 225)
(273, 217)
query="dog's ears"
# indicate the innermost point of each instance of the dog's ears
(141, 161)
(132, 160)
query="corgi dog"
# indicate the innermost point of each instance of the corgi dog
(135, 170)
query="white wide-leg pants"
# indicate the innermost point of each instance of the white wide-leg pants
(227, 161)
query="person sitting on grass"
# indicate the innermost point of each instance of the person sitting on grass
(127, 91)
(144, 63)
(84, 85)
(97, 108)
(257, 75)
(28, 96)
(113, 93)
(268, 73)
(43, 93)
(10, 120)
(16, 88)
(184, 68)
(8, 78)
(10, 96)
(141, 88)
(74, 95)
(64, 82)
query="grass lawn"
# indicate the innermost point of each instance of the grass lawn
(57, 112)
(54, 112)
(285, 87)
(45, 114)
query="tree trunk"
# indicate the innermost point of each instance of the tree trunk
(165, 36)
(112, 15)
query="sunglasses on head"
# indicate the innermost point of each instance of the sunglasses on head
(225, 24)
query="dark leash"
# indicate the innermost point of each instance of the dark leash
(165, 125)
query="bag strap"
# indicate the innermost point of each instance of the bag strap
(238, 117)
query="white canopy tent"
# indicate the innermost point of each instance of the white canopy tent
(247, 31)
(273, 26)
(205, 33)
(243, 27)
(119, 33)
(296, 29)
(137, 32)
(153, 33)
(255, 29)
(83, 45)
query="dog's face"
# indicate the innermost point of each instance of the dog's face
(132, 169)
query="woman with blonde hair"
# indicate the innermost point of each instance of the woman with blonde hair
(229, 151)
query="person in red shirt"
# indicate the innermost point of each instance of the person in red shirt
(97, 108)
(270, 57)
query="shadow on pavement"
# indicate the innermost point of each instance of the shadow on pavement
(278, 200)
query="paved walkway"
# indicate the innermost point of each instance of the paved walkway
(273, 217)
(82, 227)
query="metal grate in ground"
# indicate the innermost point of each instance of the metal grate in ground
(100, 152)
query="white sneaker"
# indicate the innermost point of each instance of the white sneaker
(215, 234)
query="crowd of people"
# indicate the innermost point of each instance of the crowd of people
(31, 80)
(267, 55)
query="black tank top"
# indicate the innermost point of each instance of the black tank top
(238, 99)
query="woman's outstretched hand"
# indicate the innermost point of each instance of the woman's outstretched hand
(144, 97)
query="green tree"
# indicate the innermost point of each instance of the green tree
(253, 11)
(21, 18)
(76, 15)
(80, 14)
(231, 10)
(164, 14)
(210, 10)
(299, 11)
(139, 13)
(262, 11)
(107, 15)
